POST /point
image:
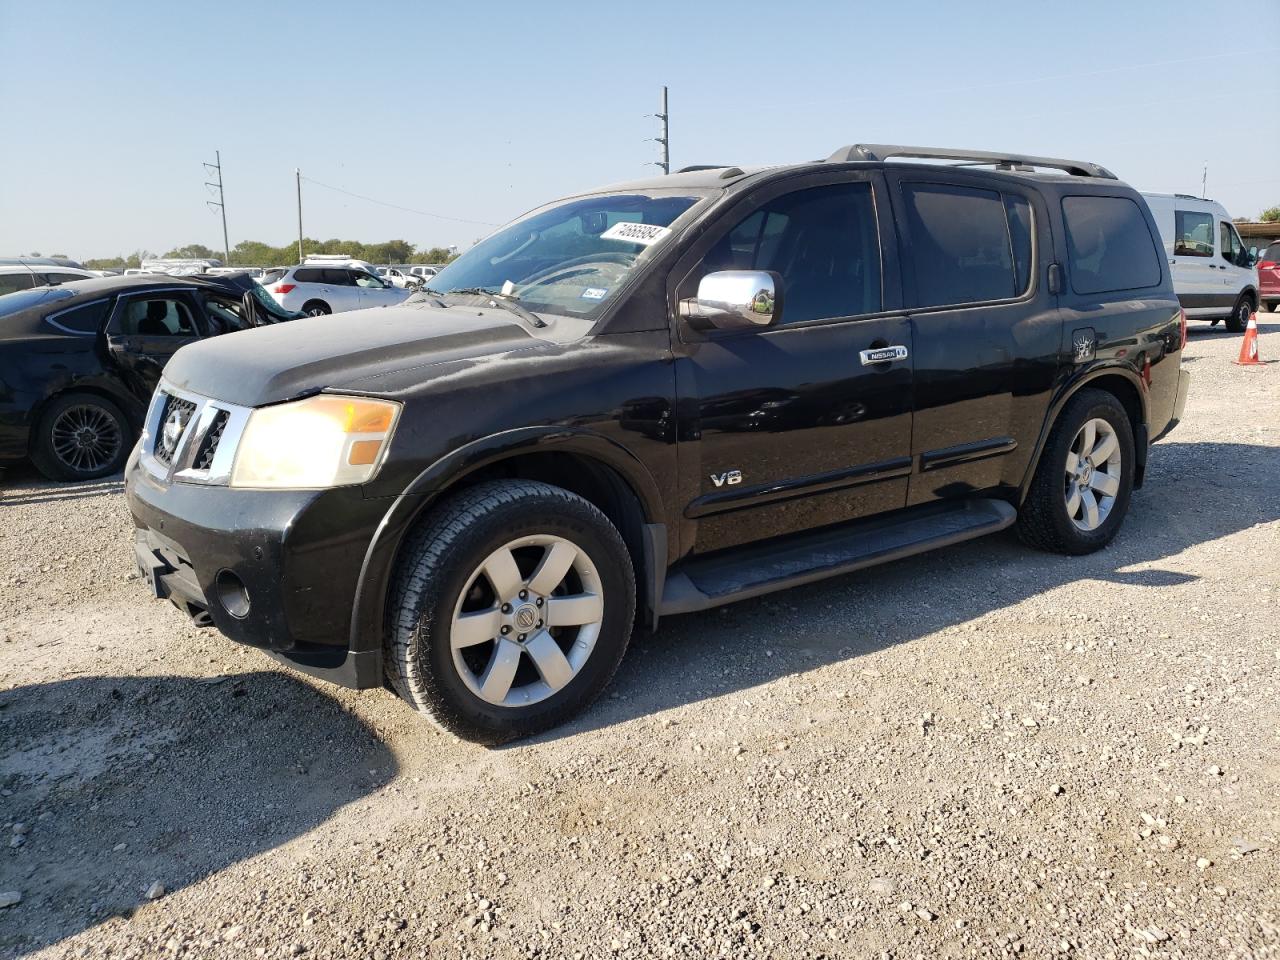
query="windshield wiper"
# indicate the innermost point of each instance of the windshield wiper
(507, 302)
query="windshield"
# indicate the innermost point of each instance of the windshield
(13, 302)
(569, 258)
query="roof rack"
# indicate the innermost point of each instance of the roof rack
(1004, 161)
(729, 172)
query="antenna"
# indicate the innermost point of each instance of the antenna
(216, 167)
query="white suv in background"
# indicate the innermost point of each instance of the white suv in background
(1213, 274)
(332, 285)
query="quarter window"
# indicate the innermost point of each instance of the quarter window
(86, 319)
(1193, 234)
(823, 242)
(56, 278)
(1109, 245)
(13, 282)
(308, 276)
(962, 244)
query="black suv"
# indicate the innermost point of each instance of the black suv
(656, 398)
(79, 361)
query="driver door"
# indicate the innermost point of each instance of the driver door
(145, 330)
(374, 291)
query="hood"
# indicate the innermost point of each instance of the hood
(269, 364)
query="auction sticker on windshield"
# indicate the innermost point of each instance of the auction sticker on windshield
(595, 293)
(641, 233)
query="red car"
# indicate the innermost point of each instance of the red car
(1269, 276)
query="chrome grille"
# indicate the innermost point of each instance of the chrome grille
(165, 443)
(209, 443)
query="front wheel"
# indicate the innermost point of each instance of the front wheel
(1239, 319)
(1081, 489)
(511, 610)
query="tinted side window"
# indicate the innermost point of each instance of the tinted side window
(63, 277)
(308, 276)
(339, 278)
(960, 244)
(823, 242)
(13, 282)
(157, 318)
(1193, 234)
(1020, 230)
(1109, 246)
(87, 318)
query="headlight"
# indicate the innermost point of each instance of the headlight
(323, 441)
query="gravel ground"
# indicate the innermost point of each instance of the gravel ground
(982, 752)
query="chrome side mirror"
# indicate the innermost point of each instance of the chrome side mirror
(735, 300)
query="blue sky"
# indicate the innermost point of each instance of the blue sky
(480, 110)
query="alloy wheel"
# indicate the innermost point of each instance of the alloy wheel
(527, 621)
(1093, 471)
(86, 438)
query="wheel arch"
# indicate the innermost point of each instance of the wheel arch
(594, 467)
(127, 405)
(1122, 383)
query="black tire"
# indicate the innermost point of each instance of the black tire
(437, 563)
(316, 308)
(1043, 520)
(61, 448)
(1239, 318)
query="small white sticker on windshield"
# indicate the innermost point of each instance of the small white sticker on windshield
(595, 293)
(641, 233)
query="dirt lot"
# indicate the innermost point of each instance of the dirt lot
(982, 752)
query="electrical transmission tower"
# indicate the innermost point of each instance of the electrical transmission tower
(216, 167)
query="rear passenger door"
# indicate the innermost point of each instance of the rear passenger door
(145, 330)
(987, 333)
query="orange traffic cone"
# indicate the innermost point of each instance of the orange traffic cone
(1249, 348)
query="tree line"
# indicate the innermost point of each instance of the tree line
(254, 253)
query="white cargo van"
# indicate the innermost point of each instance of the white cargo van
(1213, 274)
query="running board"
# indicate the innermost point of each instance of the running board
(739, 574)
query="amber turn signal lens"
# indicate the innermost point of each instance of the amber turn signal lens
(364, 452)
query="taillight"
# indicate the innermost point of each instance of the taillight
(1182, 322)
(283, 287)
(1267, 264)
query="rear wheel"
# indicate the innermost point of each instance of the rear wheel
(1239, 318)
(511, 610)
(1082, 485)
(315, 308)
(80, 436)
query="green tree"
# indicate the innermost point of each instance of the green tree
(192, 251)
(1270, 215)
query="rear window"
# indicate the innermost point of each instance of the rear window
(23, 299)
(1109, 246)
(1272, 253)
(963, 244)
(86, 319)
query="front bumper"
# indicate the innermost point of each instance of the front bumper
(272, 569)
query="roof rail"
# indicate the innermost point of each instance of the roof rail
(729, 172)
(1006, 161)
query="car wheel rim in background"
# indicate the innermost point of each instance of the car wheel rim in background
(86, 438)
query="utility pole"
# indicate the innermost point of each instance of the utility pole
(216, 167)
(665, 139)
(297, 174)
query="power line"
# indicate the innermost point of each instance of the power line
(396, 206)
(216, 167)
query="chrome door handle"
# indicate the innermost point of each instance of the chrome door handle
(883, 355)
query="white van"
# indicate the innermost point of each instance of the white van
(1213, 274)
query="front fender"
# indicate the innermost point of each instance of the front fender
(425, 490)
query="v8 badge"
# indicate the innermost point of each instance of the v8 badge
(1084, 344)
